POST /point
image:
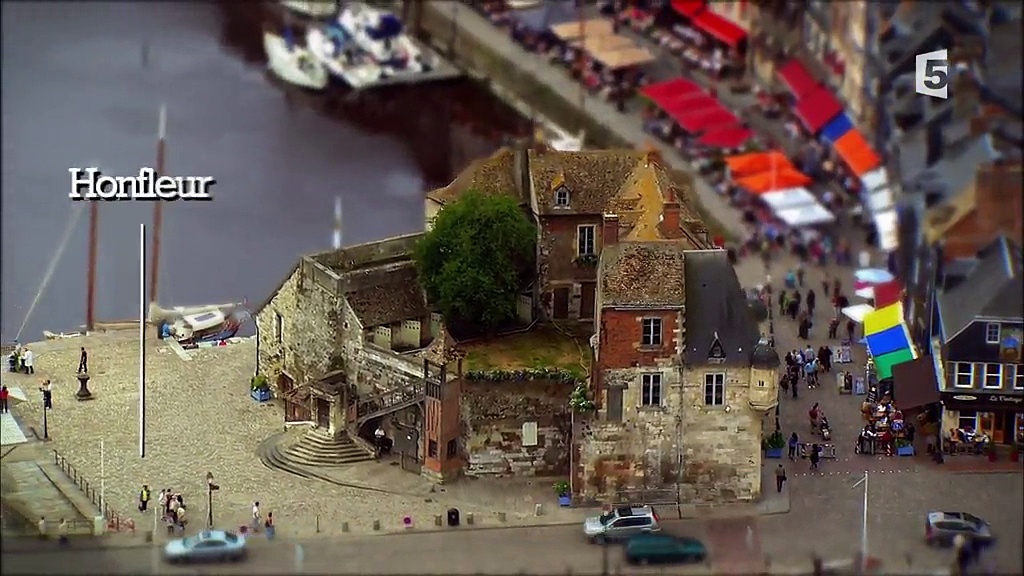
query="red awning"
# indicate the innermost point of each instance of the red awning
(796, 78)
(688, 8)
(712, 117)
(720, 27)
(817, 108)
(657, 93)
(728, 138)
(690, 104)
(888, 293)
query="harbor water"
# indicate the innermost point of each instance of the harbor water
(83, 84)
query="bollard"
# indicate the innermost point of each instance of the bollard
(376, 524)
(469, 518)
(437, 519)
(344, 526)
(538, 510)
(407, 522)
(317, 523)
(502, 517)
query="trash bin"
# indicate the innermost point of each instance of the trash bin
(453, 517)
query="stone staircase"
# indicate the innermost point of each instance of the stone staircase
(40, 489)
(313, 449)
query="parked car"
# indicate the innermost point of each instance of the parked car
(664, 549)
(940, 528)
(208, 546)
(621, 523)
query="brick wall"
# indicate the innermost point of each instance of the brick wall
(621, 332)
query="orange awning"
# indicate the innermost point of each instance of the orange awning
(769, 181)
(857, 153)
(755, 162)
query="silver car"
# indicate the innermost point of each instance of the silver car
(941, 528)
(622, 523)
(207, 546)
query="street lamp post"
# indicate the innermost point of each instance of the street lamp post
(46, 427)
(210, 487)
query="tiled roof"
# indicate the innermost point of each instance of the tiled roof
(593, 178)
(643, 274)
(443, 350)
(492, 176)
(388, 294)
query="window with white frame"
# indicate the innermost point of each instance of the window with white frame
(585, 240)
(562, 196)
(968, 420)
(714, 389)
(964, 375)
(992, 333)
(650, 390)
(1018, 376)
(993, 376)
(651, 332)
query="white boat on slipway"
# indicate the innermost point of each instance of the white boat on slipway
(312, 8)
(380, 33)
(294, 64)
(342, 58)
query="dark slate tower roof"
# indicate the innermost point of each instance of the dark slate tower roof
(764, 356)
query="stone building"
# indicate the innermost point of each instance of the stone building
(566, 194)
(682, 377)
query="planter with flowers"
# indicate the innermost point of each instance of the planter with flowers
(259, 388)
(564, 493)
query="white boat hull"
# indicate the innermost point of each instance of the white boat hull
(358, 19)
(312, 8)
(357, 74)
(295, 65)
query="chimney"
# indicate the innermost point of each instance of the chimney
(652, 155)
(670, 216)
(521, 167)
(610, 230)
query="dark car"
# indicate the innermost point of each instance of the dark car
(664, 549)
(941, 528)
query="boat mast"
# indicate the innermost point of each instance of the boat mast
(90, 303)
(582, 58)
(158, 212)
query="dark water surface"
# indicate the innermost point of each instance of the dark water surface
(79, 90)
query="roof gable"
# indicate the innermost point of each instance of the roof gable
(593, 178)
(492, 176)
(993, 289)
(720, 328)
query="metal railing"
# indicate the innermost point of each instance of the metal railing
(115, 522)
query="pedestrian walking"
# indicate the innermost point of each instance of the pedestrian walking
(28, 361)
(4, 399)
(42, 527)
(800, 274)
(144, 498)
(815, 456)
(780, 478)
(833, 328)
(62, 532)
(794, 383)
(783, 298)
(811, 299)
(161, 501)
(850, 325)
(826, 285)
(268, 525)
(257, 518)
(83, 362)
(794, 442)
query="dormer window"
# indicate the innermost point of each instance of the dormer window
(562, 196)
(992, 333)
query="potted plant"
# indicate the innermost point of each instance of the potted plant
(260, 389)
(563, 492)
(774, 445)
(904, 447)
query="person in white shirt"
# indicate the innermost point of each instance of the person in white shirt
(42, 528)
(256, 516)
(28, 360)
(62, 532)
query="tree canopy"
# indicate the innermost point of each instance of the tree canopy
(477, 258)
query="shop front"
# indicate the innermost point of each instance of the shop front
(999, 416)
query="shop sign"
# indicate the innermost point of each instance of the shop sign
(988, 398)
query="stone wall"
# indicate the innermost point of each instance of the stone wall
(308, 343)
(494, 415)
(379, 369)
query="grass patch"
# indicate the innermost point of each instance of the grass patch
(542, 347)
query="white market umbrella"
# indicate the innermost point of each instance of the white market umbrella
(806, 215)
(881, 200)
(875, 179)
(887, 225)
(866, 292)
(873, 276)
(857, 312)
(788, 198)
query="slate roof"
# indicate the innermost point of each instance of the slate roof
(387, 294)
(443, 350)
(716, 306)
(593, 177)
(492, 176)
(993, 289)
(643, 275)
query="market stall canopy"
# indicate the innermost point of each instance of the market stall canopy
(669, 89)
(883, 319)
(884, 364)
(720, 27)
(887, 225)
(770, 181)
(626, 58)
(857, 312)
(886, 341)
(817, 108)
(796, 78)
(874, 180)
(688, 104)
(728, 139)
(857, 153)
(837, 128)
(915, 384)
(806, 215)
(872, 276)
(606, 43)
(575, 30)
(704, 119)
(756, 162)
(883, 294)
(688, 8)
(549, 13)
(788, 198)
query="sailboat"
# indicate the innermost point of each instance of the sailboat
(292, 63)
(337, 52)
(312, 8)
(380, 33)
(192, 325)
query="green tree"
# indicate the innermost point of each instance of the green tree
(477, 258)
